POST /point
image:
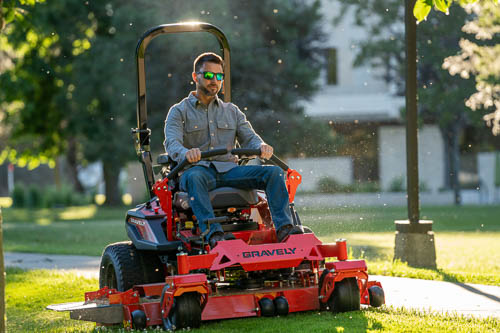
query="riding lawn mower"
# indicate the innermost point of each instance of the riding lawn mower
(167, 275)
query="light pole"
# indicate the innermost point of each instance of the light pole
(414, 237)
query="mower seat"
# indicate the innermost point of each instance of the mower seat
(221, 197)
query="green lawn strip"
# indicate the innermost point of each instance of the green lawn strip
(29, 292)
(50, 215)
(381, 219)
(68, 237)
(472, 256)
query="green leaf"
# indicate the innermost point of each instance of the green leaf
(442, 5)
(466, 2)
(422, 9)
(9, 15)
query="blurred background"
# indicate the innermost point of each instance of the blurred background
(321, 81)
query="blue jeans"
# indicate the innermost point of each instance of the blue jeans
(199, 180)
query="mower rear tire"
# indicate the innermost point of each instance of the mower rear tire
(123, 266)
(345, 296)
(186, 311)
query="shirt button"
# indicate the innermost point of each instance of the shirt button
(196, 127)
(211, 121)
(213, 134)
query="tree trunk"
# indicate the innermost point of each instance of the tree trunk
(447, 158)
(455, 163)
(451, 137)
(111, 172)
(73, 165)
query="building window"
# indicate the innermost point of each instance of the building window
(331, 63)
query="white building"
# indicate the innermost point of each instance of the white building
(354, 99)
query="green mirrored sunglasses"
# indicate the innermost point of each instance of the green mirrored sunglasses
(210, 75)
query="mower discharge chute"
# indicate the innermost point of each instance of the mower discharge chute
(167, 275)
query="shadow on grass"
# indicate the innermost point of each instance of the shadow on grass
(453, 279)
(401, 269)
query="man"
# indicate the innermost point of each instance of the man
(202, 122)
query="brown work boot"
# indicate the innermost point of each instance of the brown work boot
(287, 230)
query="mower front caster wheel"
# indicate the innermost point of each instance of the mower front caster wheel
(377, 297)
(345, 296)
(185, 313)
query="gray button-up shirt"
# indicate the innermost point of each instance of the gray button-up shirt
(191, 124)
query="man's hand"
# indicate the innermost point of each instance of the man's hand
(193, 155)
(266, 151)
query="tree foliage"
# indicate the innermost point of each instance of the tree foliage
(39, 46)
(70, 81)
(480, 58)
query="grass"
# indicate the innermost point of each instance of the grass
(76, 230)
(29, 292)
(467, 246)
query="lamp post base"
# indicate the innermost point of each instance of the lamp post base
(415, 244)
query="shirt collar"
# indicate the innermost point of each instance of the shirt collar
(195, 102)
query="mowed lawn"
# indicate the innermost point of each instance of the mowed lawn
(466, 243)
(467, 238)
(29, 292)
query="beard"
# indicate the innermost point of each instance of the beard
(207, 91)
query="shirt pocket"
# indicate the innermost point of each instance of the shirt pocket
(226, 123)
(226, 130)
(193, 127)
(196, 133)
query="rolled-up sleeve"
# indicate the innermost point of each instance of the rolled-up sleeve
(174, 135)
(245, 133)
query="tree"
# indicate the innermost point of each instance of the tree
(481, 59)
(40, 43)
(89, 92)
(440, 95)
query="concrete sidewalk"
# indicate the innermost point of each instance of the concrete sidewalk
(461, 298)
(82, 265)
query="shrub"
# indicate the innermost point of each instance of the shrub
(397, 184)
(18, 196)
(330, 185)
(370, 187)
(34, 197)
(47, 197)
(65, 196)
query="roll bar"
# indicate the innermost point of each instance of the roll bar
(142, 134)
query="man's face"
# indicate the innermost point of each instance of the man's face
(209, 87)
